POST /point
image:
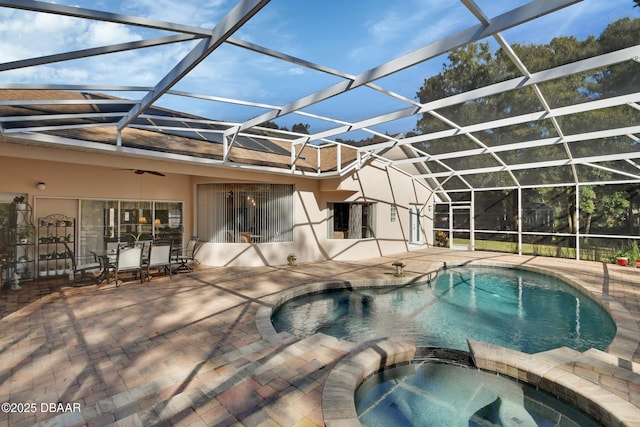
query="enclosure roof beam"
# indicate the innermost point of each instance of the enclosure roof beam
(227, 26)
(503, 22)
(604, 60)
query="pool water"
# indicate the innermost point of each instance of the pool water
(516, 309)
(433, 394)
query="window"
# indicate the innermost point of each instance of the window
(393, 216)
(351, 220)
(103, 221)
(245, 213)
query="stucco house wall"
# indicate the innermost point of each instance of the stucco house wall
(72, 175)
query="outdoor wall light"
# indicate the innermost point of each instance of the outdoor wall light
(42, 186)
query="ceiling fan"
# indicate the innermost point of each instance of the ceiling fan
(141, 171)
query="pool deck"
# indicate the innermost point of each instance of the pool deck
(191, 350)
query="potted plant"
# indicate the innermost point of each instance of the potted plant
(24, 233)
(20, 203)
(628, 256)
(633, 253)
(138, 237)
(441, 239)
(21, 265)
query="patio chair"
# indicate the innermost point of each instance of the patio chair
(185, 260)
(81, 269)
(128, 259)
(160, 258)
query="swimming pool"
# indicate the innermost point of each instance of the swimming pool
(517, 309)
(427, 394)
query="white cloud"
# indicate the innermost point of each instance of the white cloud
(397, 31)
(106, 33)
(190, 12)
(26, 34)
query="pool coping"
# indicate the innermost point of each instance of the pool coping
(338, 396)
(338, 404)
(624, 343)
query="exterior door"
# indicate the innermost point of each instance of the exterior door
(415, 228)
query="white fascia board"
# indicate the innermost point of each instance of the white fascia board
(54, 140)
(53, 128)
(46, 117)
(82, 145)
(23, 102)
(88, 88)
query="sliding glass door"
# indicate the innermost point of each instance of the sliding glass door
(108, 221)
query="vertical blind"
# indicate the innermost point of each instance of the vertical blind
(245, 213)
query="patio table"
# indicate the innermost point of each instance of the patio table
(106, 257)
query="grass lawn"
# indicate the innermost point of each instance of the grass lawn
(604, 254)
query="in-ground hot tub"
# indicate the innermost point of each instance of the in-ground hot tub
(446, 391)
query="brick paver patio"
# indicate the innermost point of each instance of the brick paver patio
(187, 351)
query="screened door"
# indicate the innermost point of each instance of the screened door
(461, 230)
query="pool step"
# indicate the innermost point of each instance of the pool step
(614, 360)
(609, 393)
(619, 376)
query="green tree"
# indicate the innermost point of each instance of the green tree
(587, 207)
(271, 125)
(474, 66)
(300, 128)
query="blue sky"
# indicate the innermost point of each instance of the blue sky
(350, 36)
